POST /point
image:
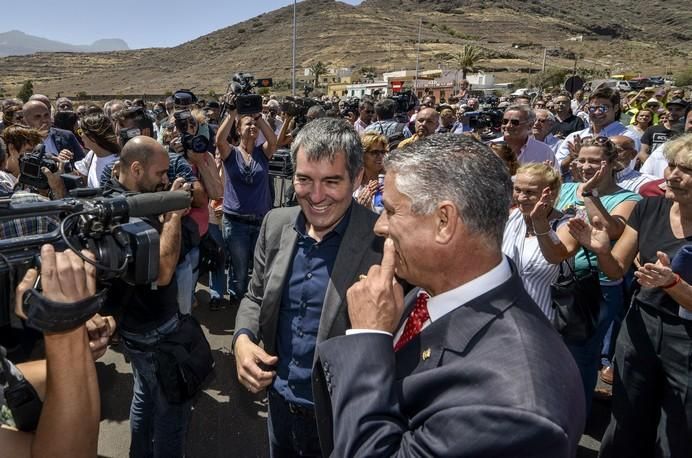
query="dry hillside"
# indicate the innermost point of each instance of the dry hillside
(648, 37)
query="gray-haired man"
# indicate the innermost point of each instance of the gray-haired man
(305, 260)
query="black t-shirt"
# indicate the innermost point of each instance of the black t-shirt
(651, 219)
(570, 124)
(141, 308)
(656, 135)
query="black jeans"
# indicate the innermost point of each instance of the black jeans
(652, 388)
(290, 433)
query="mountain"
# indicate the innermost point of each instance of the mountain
(651, 38)
(16, 43)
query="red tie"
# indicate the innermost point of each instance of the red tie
(414, 323)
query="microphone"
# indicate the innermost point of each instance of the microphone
(157, 203)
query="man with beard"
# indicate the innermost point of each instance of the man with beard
(427, 122)
(150, 312)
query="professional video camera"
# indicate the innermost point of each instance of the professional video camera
(405, 102)
(297, 107)
(486, 122)
(30, 165)
(124, 246)
(351, 105)
(242, 85)
(194, 143)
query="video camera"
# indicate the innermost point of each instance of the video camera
(124, 245)
(351, 105)
(405, 102)
(486, 122)
(194, 143)
(30, 174)
(297, 107)
(242, 85)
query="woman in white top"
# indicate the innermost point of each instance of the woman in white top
(536, 188)
(97, 133)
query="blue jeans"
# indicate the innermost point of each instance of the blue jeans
(240, 241)
(290, 434)
(586, 353)
(217, 279)
(186, 274)
(158, 427)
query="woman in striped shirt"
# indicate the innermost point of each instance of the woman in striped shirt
(521, 241)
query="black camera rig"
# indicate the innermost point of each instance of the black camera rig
(32, 176)
(246, 101)
(124, 246)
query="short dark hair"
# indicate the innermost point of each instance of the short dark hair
(137, 114)
(611, 95)
(385, 109)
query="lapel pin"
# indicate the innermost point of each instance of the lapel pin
(426, 354)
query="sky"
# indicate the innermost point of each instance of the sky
(141, 23)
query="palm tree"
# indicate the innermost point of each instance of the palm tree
(467, 59)
(318, 69)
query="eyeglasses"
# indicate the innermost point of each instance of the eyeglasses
(601, 108)
(513, 122)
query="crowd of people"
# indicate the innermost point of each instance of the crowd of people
(399, 297)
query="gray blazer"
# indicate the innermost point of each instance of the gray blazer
(259, 309)
(491, 378)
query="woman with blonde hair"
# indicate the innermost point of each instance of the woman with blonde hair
(536, 188)
(375, 147)
(651, 404)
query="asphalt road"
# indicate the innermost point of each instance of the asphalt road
(226, 419)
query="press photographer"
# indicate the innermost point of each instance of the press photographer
(188, 141)
(247, 196)
(159, 412)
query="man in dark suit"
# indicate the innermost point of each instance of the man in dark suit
(470, 367)
(305, 260)
(37, 115)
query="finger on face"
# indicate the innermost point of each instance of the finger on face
(388, 259)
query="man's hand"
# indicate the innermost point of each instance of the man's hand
(65, 155)
(100, 329)
(248, 358)
(55, 182)
(65, 278)
(377, 301)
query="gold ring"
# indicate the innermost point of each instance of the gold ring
(362, 277)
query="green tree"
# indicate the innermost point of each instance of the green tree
(467, 59)
(317, 69)
(26, 91)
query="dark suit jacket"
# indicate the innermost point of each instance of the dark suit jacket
(491, 378)
(64, 139)
(259, 309)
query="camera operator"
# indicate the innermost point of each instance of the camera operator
(20, 141)
(150, 312)
(247, 196)
(66, 380)
(58, 142)
(188, 142)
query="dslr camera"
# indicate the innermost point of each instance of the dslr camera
(242, 85)
(194, 143)
(30, 174)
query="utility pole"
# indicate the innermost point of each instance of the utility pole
(545, 53)
(415, 84)
(293, 61)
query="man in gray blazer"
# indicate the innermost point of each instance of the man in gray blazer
(471, 367)
(305, 259)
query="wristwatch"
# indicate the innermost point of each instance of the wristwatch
(592, 193)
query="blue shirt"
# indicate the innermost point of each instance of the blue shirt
(246, 191)
(301, 309)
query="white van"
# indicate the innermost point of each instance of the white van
(620, 85)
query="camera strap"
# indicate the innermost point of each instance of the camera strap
(46, 315)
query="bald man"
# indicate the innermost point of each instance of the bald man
(427, 122)
(150, 312)
(37, 115)
(627, 177)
